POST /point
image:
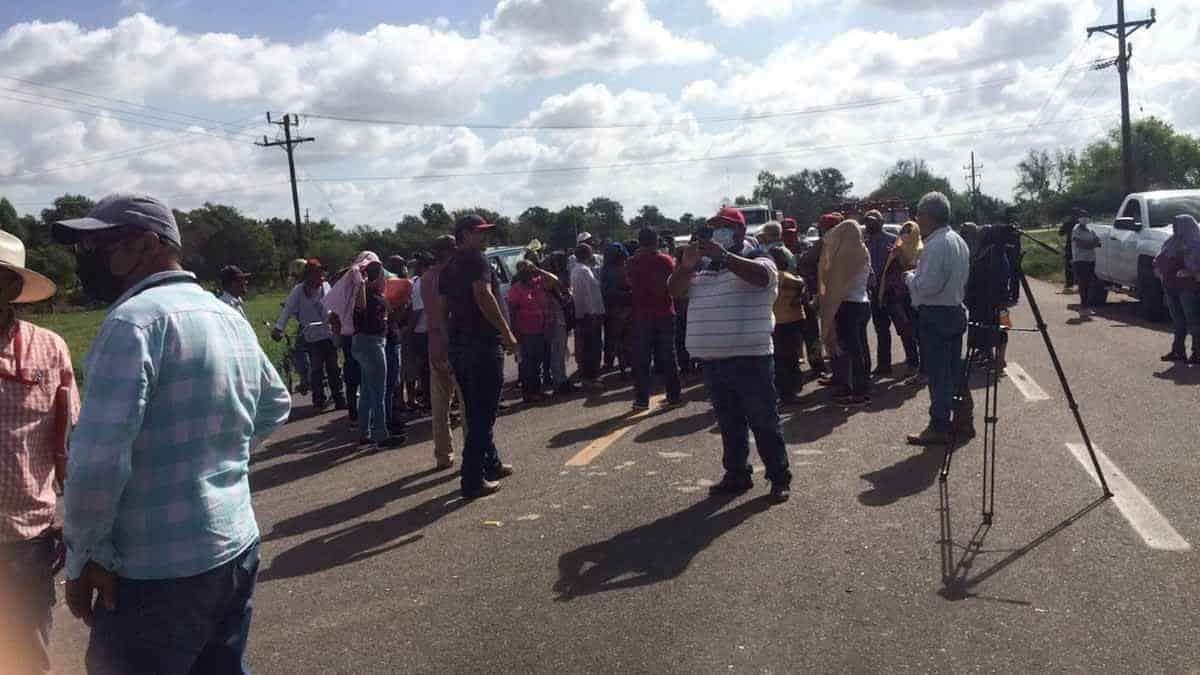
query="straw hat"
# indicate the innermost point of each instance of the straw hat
(12, 257)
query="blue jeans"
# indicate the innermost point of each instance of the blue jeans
(940, 332)
(369, 352)
(558, 355)
(851, 367)
(535, 353)
(743, 396)
(478, 365)
(1184, 306)
(300, 360)
(654, 339)
(350, 373)
(194, 624)
(391, 352)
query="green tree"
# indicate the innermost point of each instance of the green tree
(909, 180)
(436, 217)
(606, 218)
(568, 223)
(226, 237)
(537, 222)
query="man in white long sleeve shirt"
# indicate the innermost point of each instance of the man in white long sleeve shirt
(938, 287)
(589, 316)
(1084, 243)
(304, 303)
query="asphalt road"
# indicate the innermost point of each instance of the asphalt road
(624, 564)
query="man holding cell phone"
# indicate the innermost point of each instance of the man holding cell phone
(731, 285)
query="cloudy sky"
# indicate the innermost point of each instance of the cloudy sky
(513, 103)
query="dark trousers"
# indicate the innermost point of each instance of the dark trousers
(682, 357)
(351, 374)
(392, 358)
(852, 366)
(654, 339)
(323, 362)
(789, 341)
(1085, 278)
(904, 318)
(478, 366)
(588, 338)
(1184, 306)
(194, 624)
(811, 326)
(420, 352)
(1068, 264)
(26, 604)
(535, 356)
(940, 330)
(742, 390)
(617, 336)
(881, 318)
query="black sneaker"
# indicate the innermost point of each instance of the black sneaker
(780, 493)
(882, 372)
(1172, 357)
(732, 485)
(638, 406)
(339, 404)
(393, 441)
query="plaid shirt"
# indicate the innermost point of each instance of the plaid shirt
(178, 391)
(33, 415)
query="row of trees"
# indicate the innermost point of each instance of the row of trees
(1050, 184)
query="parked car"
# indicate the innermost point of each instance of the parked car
(1128, 246)
(503, 260)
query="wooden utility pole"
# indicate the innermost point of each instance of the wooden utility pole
(974, 169)
(1121, 30)
(288, 143)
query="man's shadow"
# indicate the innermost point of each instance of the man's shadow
(650, 553)
(907, 477)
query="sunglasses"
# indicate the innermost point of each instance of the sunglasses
(103, 241)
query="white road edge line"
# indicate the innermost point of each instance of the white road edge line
(1151, 525)
(1030, 389)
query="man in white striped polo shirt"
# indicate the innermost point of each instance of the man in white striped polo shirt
(731, 287)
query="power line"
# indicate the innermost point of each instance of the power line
(669, 162)
(850, 105)
(109, 114)
(109, 157)
(113, 100)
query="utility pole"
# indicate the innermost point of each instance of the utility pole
(1121, 30)
(973, 168)
(288, 143)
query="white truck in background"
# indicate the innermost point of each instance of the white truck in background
(1128, 247)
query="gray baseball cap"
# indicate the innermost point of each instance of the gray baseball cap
(121, 210)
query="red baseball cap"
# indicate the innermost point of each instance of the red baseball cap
(729, 215)
(472, 222)
(830, 220)
(788, 224)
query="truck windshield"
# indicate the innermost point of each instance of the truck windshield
(756, 216)
(1163, 211)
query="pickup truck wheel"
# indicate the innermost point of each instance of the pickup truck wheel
(1152, 306)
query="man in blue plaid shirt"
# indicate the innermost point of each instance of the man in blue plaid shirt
(162, 543)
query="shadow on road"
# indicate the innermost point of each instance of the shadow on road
(910, 476)
(957, 580)
(651, 553)
(1120, 314)
(1181, 374)
(358, 505)
(360, 541)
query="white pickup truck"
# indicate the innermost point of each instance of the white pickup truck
(1128, 246)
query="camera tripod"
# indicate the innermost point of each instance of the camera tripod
(990, 332)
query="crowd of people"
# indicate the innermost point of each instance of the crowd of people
(157, 512)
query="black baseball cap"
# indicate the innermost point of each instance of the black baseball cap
(121, 210)
(231, 272)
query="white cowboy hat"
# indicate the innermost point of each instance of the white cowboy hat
(12, 257)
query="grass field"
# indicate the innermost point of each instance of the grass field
(79, 328)
(1040, 263)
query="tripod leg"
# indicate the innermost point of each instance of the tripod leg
(964, 387)
(1062, 379)
(991, 411)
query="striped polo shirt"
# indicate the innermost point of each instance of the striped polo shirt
(728, 317)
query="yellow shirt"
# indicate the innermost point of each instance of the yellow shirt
(788, 307)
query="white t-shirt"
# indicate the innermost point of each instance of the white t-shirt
(418, 304)
(728, 317)
(858, 286)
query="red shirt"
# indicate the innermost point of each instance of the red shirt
(527, 306)
(648, 274)
(38, 403)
